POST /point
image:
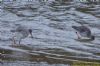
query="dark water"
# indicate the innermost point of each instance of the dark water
(55, 42)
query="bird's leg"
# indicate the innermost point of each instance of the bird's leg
(78, 35)
(19, 41)
(14, 42)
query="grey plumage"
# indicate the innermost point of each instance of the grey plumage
(21, 32)
(84, 31)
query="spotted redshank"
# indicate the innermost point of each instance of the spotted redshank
(83, 32)
(21, 32)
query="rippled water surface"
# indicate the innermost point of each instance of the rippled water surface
(55, 42)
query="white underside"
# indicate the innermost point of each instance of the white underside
(86, 38)
(17, 36)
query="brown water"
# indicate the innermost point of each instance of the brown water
(55, 42)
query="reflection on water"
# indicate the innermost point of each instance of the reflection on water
(55, 42)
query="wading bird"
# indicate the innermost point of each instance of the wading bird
(83, 33)
(21, 32)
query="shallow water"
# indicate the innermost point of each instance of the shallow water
(55, 42)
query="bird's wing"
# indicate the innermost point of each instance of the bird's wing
(84, 31)
(21, 29)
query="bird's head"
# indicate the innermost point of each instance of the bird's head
(30, 32)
